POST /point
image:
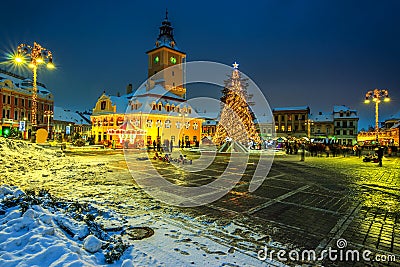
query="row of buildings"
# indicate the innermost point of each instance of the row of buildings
(157, 112)
(16, 107)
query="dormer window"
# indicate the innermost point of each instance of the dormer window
(153, 106)
(103, 105)
(159, 107)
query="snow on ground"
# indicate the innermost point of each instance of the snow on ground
(44, 235)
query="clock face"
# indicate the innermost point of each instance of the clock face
(156, 59)
(173, 60)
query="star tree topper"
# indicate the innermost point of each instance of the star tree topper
(235, 65)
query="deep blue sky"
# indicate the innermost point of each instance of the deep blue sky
(317, 53)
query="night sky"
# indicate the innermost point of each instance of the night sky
(316, 53)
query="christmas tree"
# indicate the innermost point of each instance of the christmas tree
(237, 120)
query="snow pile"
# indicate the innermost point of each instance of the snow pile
(34, 234)
(32, 238)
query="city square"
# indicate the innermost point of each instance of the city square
(177, 142)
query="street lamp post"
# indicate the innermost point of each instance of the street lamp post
(377, 95)
(309, 123)
(183, 114)
(37, 55)
(48, 114)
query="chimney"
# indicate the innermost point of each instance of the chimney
(129, 89)
(118, 94)
(320, 113)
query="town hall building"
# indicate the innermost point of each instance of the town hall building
(156, 112)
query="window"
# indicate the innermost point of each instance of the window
(338, 124)
(159, 107)
(351, 132)
(4, 113)
(23, 102)
(264, 131)
(158, 123)
(276, 117)
(173, 73)
(29, 103)
(178, 125)
(341, 113)
(4, 99)
(15, 115)
(22, 115)
(328, 130)
(351, 124)
(153, 106)
(15, 101)
(296, 117)
(195, 126)
(337, 132)
(344, 124)
(9, 99)
(289, 128)
(167, 124)
(187, 125)
(103, 105)
(149, 123)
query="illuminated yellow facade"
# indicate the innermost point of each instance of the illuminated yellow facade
(157, 112)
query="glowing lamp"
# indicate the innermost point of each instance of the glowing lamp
(31, 65)
(367, 101)
(50, 65)
(387, 99)
(40, 60)
(18, 59)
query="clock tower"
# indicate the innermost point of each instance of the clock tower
(166, 54)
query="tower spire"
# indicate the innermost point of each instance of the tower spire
(166, 14)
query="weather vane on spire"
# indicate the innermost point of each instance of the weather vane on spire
(235, 65)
